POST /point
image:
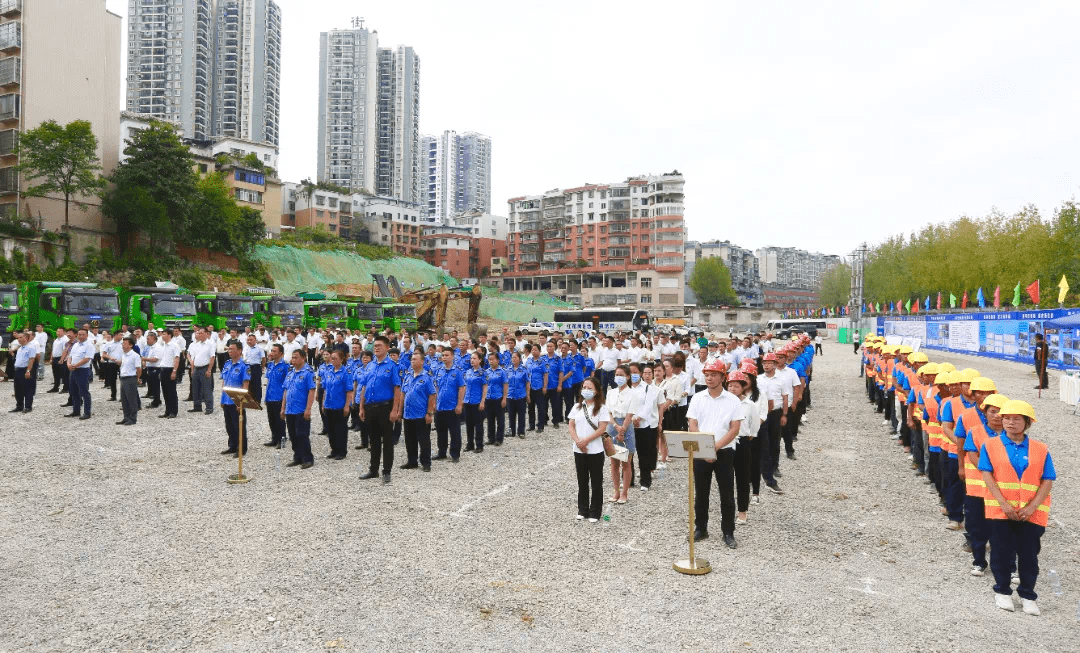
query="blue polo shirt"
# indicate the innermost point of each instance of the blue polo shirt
(233, 375)
(297, 385)
(475, 380)
(962, 430)
(461, 361)
(589, 368)
(579, 369)
(969, 443)
(335, 387)
(495, 381)
(417, 389)
(536, 369)
(504, 359)
(275, 379)
(448, 382)
(382, 378)
(1018, 456)
(518, 378)
(567, 366)
(359, 379)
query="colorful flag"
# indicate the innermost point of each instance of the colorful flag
(1016, 295)
(997, 297)
(964, 301)
(1033, 292)
(939, 301)
(981, 298)
(1064, 286)
(927, 305)
(916, 306)
(952, 300)
(908, 306)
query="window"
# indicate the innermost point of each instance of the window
(320, 200)
(443, 241)
(249, 177)
(646, 299)
(250, 196)
(203, 168)
(319, 213)
(646, 282)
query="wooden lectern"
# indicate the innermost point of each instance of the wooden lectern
(243, 399)
(682, 444)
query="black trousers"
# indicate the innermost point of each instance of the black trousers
(646, 452)
(516, 409)
(540, 401)
(723, 470)
(741, 463)
(770, 448)
(168, 392)
(111, 372)
(569, 397)
(300, 436)
(756, 460)
(590, 483)
(474, 426)
(255, 384)
(277, 425)
(60, 376)
(153, 383)
(25, 388)
(535, 396)
(380, 435)
(448, 432)
(1015, 546)
(418, 435)
(232, 426)
(337, 430)
(554, 401)
(496, 420)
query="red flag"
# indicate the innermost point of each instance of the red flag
(963, 302)
(939, 301)
(997, 297)
(1033, 292)
(915, 307)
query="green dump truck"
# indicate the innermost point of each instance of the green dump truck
(161, 306)
(276, 311)
(70, 305)
(364, 316)
(397, 316)
(12, 315)
(223, 311)
(323, 313)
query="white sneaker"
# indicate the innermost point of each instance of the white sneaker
(755, 499)
(661, 465)
(644, 489)
(740, 522)
(911, 456)
(593, 520)
(885, 422)
(580, 517)
(1004, 601)
(1030, 607)
(976, 570)
(803, 422)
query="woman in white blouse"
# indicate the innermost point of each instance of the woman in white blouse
(622, 404)
(739, 385)
(646, 421)
(589, 420)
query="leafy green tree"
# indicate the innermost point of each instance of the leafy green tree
(711, 282)
(64, 159)
(214, 214)
(161, 164)
(133, 210)
(836, 286)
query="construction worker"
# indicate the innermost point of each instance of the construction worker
(951, 410)
(1019, 475)
(978, 530)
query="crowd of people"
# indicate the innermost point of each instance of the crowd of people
(969, 443)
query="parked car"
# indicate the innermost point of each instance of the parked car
(533, 328)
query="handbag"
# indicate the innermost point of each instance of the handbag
(609, 446)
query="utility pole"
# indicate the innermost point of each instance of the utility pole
(855, 303)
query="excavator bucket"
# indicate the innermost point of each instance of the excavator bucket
(395, 287)
(380, 281)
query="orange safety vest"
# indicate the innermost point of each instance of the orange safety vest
(957, 410)
(871, 365)
(1017, 491)
(973, 479)
(890, 382)
(933, 422)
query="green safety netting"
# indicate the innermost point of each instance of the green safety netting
(299, 270)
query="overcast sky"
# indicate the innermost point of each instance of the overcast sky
(815, 125)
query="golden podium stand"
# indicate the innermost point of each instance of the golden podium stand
(243, 400)
(682, 444)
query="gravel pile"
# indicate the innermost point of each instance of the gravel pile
(129, 539)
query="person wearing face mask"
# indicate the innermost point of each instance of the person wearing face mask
(646, 421)
(622, 403)
(588, 422)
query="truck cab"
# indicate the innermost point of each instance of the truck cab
(399, 316)
(325, 313)
(163, 306)
(363, 316)
(223, 311)
(70, 305)
(12, 315)
(278, 311)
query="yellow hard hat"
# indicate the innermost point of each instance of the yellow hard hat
(930, 369)
(945, 378)
(1017, 407)
(906, 349)
(946, 367)
(968, 374)
(919, 357)
(995, 400)
(983, 384)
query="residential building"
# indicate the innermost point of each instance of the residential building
(213, 66)
(252, 182)
(783, 298)
(462, 254)
(793, 268)
(369, 115)
(482, 225)
(458, 173)
(618, 244)
(395, 223)
(51, 70)
(742, 263)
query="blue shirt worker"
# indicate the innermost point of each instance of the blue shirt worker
(380, 406)
(336, 402)
(418, 387)
(495, 401)
(25, 374)
(517, 393)
(536, 396)
(450, 383)
(234, 374)
(276, 369)
(475, 389)
(297, 398)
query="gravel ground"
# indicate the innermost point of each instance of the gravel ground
(129, 539)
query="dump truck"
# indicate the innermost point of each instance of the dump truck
(223, 311)
(323, 313)
(162, 306)
(70, 305)
(276, 311)
(12, 315)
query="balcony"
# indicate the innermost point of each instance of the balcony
(10, 71)
(10, 107)
(9, 180)
(9, 142)
(10, 37)
(10, 8)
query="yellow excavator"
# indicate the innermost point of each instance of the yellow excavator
(431, 306)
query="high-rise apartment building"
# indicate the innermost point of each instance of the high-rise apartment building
(51, 69)
(742, 263)
(794, 268)
(458, 176)
(212, 66)
(617, 244)
(369, 115)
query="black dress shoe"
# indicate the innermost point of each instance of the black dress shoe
(155, 404)
(441, 456)
(295, 463)
(71, 414)
(54, 390)
(228, 451)
(272, 444)
(189, 398)
(361, 446)
(700, 535)
(409, 466)
(27, 410)
(478, 450)
(364, 477)
(331, 456)
(791, 456)
(112, 398)
(307, 465)
(121, 422)
(84, 417)
(16, 410)
(427, 468)
(339, 457)
(146, 397)
(729, 540)
(386, 479)
(324, 433)
(455, 460)
(195, 410)
(165, 416)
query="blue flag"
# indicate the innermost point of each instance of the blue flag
(982, 300)
(927, 304)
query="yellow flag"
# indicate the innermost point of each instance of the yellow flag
(1064, 286)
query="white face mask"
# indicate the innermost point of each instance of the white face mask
(620, 381)
(587, 394)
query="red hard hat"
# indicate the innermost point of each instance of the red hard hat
(769, 357)
(738, 376)
(748, 367)
(716, 365)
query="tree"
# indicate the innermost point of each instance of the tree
(64, 159)
(161, 164)
(214, 212)
(134, 211)
(711, 282)
(836, 286)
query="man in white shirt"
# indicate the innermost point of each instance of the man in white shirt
(80, 367)
(609, 360)
(253, 356)
(778, 394)
(168, 367)
(111, 352)
(40, 340)
(717, 411)
(59, 370)
(202, 359)
(151, 353)
(26, 358)
(292, 343)
(793, 387)
(130, 369)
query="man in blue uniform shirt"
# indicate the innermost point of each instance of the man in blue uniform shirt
(381, 405)
(448, 407)
(298, 397)
(234, 375)
(276, 369)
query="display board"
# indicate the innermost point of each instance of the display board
(1008, 335)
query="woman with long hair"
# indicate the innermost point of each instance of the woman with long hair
(622, 404)
(589, 420)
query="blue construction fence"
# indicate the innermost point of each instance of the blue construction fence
(1005, 335)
